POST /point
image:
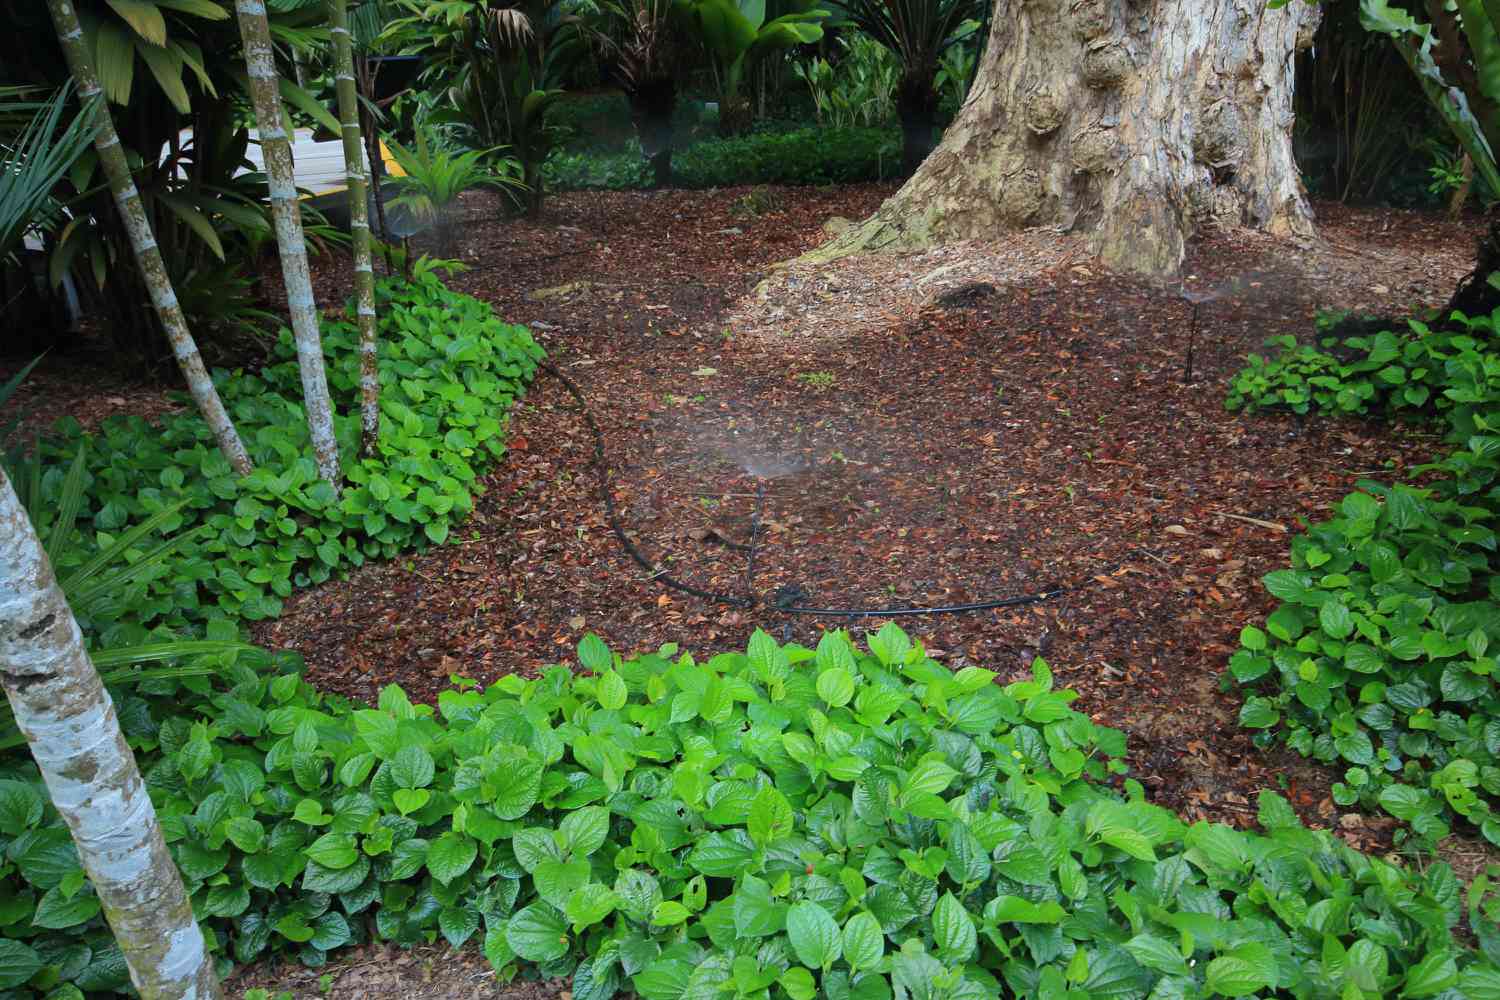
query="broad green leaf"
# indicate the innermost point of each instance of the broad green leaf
(813, 934)
(836, 686)
(557, 880)
(770, 817)
(450, 855)
(517, 788)
(612, 691)
(333, 850)
(669, 913)
(1015, 910)
(931, 776)
(665, 979)
(953, 929)
(20, 807)
(590, 904)
(538, 933)
(1432, 975)
(585, 830)
(457, 924)
(1158, 954)
(756, 913)
(1233, 976)
(412, 767)
(863, 941)
(594, 654)
(56, 911)
(727, 854)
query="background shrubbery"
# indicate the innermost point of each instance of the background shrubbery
(803, 156)
(1381, 656)
(784, 822)
(449, 371)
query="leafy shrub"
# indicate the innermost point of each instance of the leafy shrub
(449, 371)
(433, 175)
(1380, 656)
(781, 823)
(860, 89)
(1384, 373)
(804, 156)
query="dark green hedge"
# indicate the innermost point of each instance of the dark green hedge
(804, 156)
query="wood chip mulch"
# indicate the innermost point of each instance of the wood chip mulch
(914, 430)
(924, 430)
(425, 972)
(996, 430)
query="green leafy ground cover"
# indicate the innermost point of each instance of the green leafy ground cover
(783, 822)
(449, 370)
(802, 156)
(1381, 656)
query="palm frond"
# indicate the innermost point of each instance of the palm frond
(34, 162)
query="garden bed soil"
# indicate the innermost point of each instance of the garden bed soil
(1020, 421)
(425, 972)
(1017, 421)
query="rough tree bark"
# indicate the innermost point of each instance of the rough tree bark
(359, 226)
(276, 150)
(69, 722)
(1133, 121)
(143, 242)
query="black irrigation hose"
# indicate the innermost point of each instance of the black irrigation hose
(750, 600)
(951, 609)
(614, 516)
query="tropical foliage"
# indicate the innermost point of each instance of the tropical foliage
(736, 34)
(802, 156)
(187, 137)
(449, 368)
(917, 33)
(433, 175)
(1454, 52)
(783, 822)
(1380, 656)
(36, 150)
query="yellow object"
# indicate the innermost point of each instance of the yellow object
(392, 168)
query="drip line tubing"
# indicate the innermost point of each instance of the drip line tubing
(750, 600)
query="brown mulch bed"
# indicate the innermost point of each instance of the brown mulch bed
(997, 438)
(425, 972)
(1017, 422)
(914, 430)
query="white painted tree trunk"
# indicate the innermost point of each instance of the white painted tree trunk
(1133, 121)
(69, 722)
(359, 226)
(143, 242)
(276, 150)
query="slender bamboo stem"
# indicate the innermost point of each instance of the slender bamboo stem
(138, 227)
(276, 151)
(359, 226)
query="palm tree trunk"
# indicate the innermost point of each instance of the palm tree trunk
(70, 725)
(276, 149)
(359, 227)
(147, 255)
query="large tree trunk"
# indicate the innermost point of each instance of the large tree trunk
(276, 151)
(69, 723)
(1135, 121)
(359, 227)
(143, 242)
